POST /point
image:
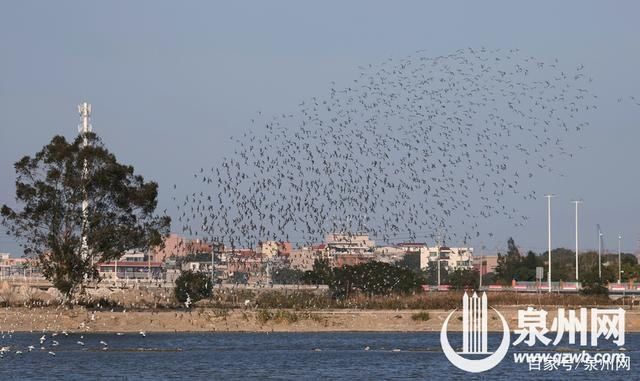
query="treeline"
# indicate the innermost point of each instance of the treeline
(374, 278)
(406, 276)
(371, 278)
(515, 266)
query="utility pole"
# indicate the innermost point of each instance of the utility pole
(577, 202)
(549, 236)
(619, 258)
(84, 128)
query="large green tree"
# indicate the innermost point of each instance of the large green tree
(509, 264)
(464, 278)
(410, 261)
(430, 273)
(374, 278)
(514, 266)
(287, 276)
(50, 189)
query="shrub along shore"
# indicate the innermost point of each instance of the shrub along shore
(158, 310)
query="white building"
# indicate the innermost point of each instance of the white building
(348, 249)
(349, 243)
(389, 254)
(134, 256)
(303, 258)
(131, 265)
(451, 257)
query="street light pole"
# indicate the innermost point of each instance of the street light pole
(549, 236)
(577, 202)
(600, 255)
(213, 250)
(481, 264)
(438, 251)
(619, 257)
(438, 267)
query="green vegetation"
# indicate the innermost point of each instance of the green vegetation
(594, 288)
(193, 286)
(287, 276)
(51, 187)
(371, 278)
(420, 316)
(279, 316)
(460, 279)
(410, 261)
(303, 302)
(239, 277)
(513, 266)
(263, 316)
(430, 274)
(296, 299)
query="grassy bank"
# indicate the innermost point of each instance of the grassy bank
(423, 301)
(80, 319)
(154, 309)
(155, 298)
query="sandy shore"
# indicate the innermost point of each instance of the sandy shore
(22, 319)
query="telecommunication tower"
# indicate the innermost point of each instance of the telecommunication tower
(84, 109)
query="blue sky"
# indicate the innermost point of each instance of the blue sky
(170, 82)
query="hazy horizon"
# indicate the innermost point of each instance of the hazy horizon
(170, 85)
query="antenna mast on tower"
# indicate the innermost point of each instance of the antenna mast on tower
(84, 109)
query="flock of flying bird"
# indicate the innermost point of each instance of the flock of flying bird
(411, 148)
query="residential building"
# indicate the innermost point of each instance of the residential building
(176, 246)
(389, 254)
(349, 249)
(270, 249)
(16, 266)
(450, 257)
(132, 265)
(304, 257)
(489, 263)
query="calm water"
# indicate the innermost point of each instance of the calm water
(273, 356)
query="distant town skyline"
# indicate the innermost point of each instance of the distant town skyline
(171, 84)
